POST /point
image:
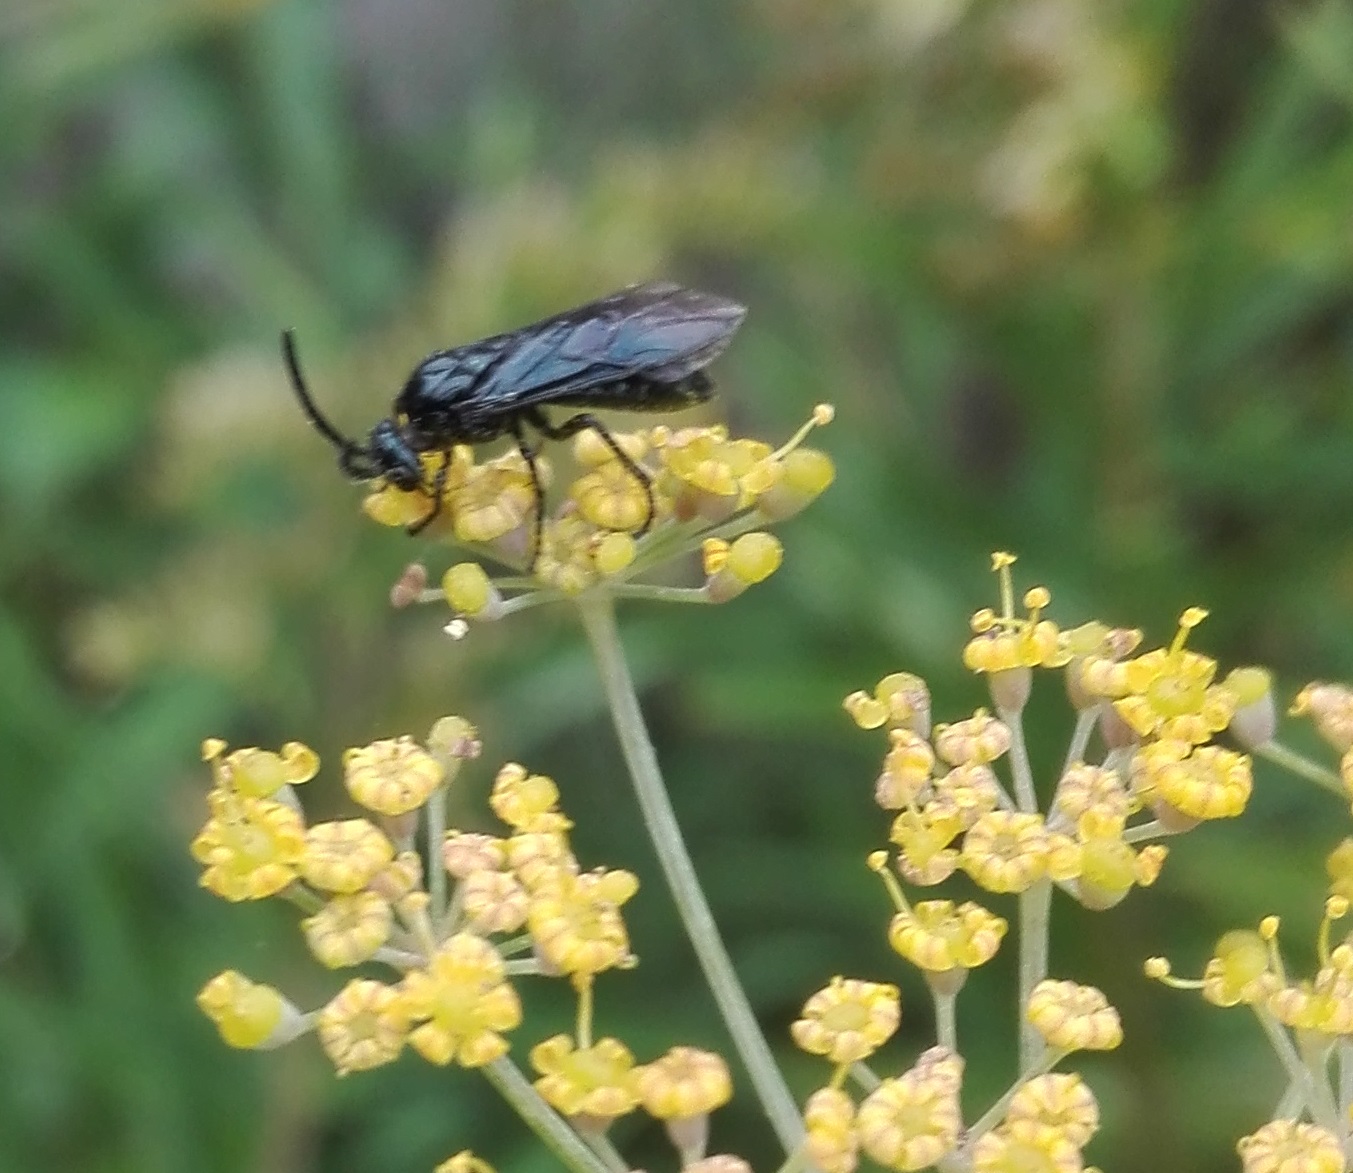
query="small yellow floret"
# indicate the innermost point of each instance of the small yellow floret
(914, 1121)
(464, 1003)
(391, 777)
(848, 1020)
(732, 568)
(1020, 1146)
(349, 929)
(900, 700)
(906, 770)
(829, 1131)
(395, 507)
(597, 1082)
(576, 924)
(613, 552)
(937, 937)
(260, 773)
(1057, 1100)
(494, 902)
(610, 497)
(526, 801)
(1006, 851)
(1072, 1017)
(343, 856)
(251, 848)
(464, 1162)
(1240, 970)
(468, 590)
(248, 1015)
(363, 1026)
(1330, 706)
(1291, 1146)
(980, 739)
(466, 852)
(684, 1082)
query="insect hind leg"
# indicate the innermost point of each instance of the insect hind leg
(580, 423)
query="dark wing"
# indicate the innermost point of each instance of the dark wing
(659, 331)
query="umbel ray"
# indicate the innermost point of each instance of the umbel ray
(642, 348)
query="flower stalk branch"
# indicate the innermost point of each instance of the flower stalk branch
(540, 1118)
(598, 617)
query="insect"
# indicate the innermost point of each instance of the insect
(643, 348)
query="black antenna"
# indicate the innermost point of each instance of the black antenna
(312, 413)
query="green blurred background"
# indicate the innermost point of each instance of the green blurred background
(1077, 275)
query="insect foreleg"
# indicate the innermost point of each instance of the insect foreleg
(537, 518)
(438, 488)
(581, 422)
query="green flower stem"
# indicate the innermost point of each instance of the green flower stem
(1153, 829)
(522, 967)
(1035, 907)
(436, 871)
(1314, 1091)
(1302, 766)
(659, 594)
(1019, 761)
(1291, 1105)
(598, 615)
(1314, 1053)
(1080, 737)
(864, 1076)
(993, 1115)
(400, 959)
(946, 1021)
(1344, 1057)
(796, 1160)
(541, 1119)
(606, 1152)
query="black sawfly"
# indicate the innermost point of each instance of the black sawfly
(642, 348)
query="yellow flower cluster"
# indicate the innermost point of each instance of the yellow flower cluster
(914, 1120)
(1156, 712)
(953, 812)
(1165, 706)
(705, 486)
(368, 900)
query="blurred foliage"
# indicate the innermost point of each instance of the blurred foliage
(1078, 276)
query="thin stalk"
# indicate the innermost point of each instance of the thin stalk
(1315, 1091)
(1035, 906)
(606, 1152)
(1315, 1054)
(598, 615)
(864, 1076)
(659, 594)
(540, 1118)
(1080, 737)
(1153, 829)
(1300, 765)
(436, 870)
(522, 967)
(946, 1021)
(795, 1161)
(1344, 1054)
(1019, 761)
(996, 1112)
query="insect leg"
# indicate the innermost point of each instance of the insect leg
(519, 434)
(438, 488)
(582, 421)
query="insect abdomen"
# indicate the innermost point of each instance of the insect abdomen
(641, 393)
